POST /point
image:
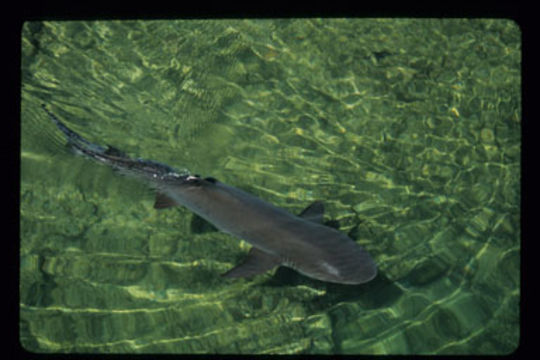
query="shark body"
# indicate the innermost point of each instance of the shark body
(278, 238)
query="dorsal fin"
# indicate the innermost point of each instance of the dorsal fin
(314, 212)
(163, 201)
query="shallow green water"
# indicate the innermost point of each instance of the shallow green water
(408, 130)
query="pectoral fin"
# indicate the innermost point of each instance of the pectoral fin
(257, 262)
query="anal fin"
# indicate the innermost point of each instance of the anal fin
(257, 262)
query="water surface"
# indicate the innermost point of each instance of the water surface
(408, 130)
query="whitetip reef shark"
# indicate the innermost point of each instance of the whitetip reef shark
(278, 238)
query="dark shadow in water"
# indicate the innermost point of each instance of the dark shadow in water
(379, 292)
